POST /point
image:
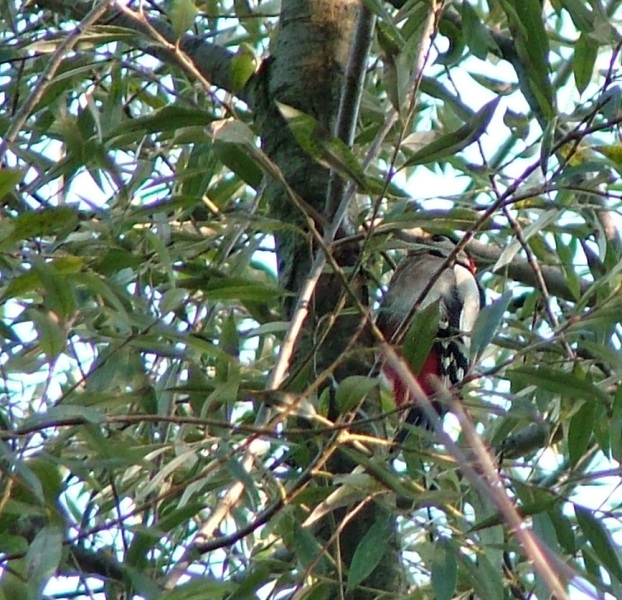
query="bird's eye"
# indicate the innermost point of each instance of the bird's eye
(438, 237)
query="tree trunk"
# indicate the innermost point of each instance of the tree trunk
(308, 71)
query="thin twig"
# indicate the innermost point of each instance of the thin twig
(535, 267)
(184, 59)
(349, 102)
(485, 479)
(45, 79)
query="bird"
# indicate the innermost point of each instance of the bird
(425, 277)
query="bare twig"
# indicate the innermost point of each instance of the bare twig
(486, 480)
(46, 77)
(350, 99)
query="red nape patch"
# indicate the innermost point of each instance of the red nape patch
(472, 266)
(431, 366)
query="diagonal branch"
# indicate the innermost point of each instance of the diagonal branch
(211, 60)
(18, 120)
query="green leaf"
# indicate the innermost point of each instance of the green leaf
(51, 337)
(615, 426)
(476, 35)
(12, 544)
(43, 558)
(41, 223)
(307, 548)
(319, 590)
(420, 336)
(30, 281)
(182, 14)
(452, 143)
(328, 151)
(455, 37)
(600, 540)
(526, 509)
(488, 320)
(233, 288)
(230, 338)
(532, 44)
(580, 431)
(252, 580)
(62, 412)
(172, 299)
(567, 253)
(236, 157)
(546, 146)
(142, 583)
(241, 67)
(167, 119)
(543, 527)
(583, 60)
(370, 550)
(28, 477)
(59, 295)
(176, 515)
(613, 152)
(444, 570)
(160, 248)
(352, 390)
(485, 579)
(9, 178)
(112, 449)
(564, 530)
(515, 246)
(580, 14)
(200, 588)
(564, 383)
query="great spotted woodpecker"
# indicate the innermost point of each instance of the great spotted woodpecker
(459, 296)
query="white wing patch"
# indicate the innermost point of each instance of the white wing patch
(469, 296)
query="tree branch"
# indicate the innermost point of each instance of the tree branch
(520, 270)
(211, 60)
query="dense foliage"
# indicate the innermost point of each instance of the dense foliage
(166, 432)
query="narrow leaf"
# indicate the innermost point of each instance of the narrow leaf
(306, 547)
(600, 540)
(9, 178)
(613, 152)
(476, 35)
(532, 44)
(548, 138)
(487, 322)
(370, 551)
(182, 14)
(51, 338)
(564, 530)
(583, 60)
(615, 426)
(43, 558)
(59, 295)
(581, 15)
(515, 245)
(47, 221)
(235, 157)
(352, 390)
(452, 143)
(420, 336)
(329, 151)
(200, 588)
(564, 383)
(444, 570)
(242, 67)
(167, 119)
(580, 431)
